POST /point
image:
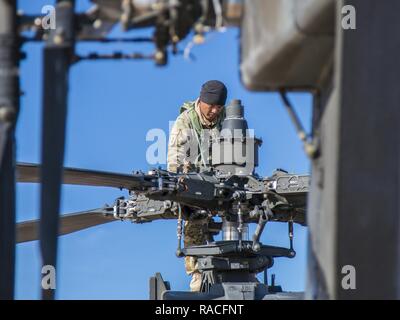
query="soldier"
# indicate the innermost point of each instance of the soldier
(189, 148)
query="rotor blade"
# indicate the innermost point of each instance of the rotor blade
(27, 172)
(29, 230)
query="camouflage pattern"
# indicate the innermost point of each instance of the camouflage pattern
(189, 139)
(184, 155)
(193, 235)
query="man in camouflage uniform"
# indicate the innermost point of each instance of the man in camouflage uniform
(189, 149)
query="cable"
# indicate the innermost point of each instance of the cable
(308, 146)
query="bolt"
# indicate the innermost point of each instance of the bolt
(198, 28)
(97, 24)
(198, 39)
(175, 38)
(7, 114)
(37, 22)
(159, 56)
(58, 39)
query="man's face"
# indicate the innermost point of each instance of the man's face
(210, 111)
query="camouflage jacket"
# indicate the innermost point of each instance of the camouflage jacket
(189, 145)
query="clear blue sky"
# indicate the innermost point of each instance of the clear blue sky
(112, 105)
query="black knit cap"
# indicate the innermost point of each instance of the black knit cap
(213, 92)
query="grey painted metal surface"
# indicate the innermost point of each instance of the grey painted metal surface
(285, 43)
(160, 290)
(354, 207)
(353, 211)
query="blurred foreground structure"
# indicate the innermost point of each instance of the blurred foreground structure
(353, 213)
